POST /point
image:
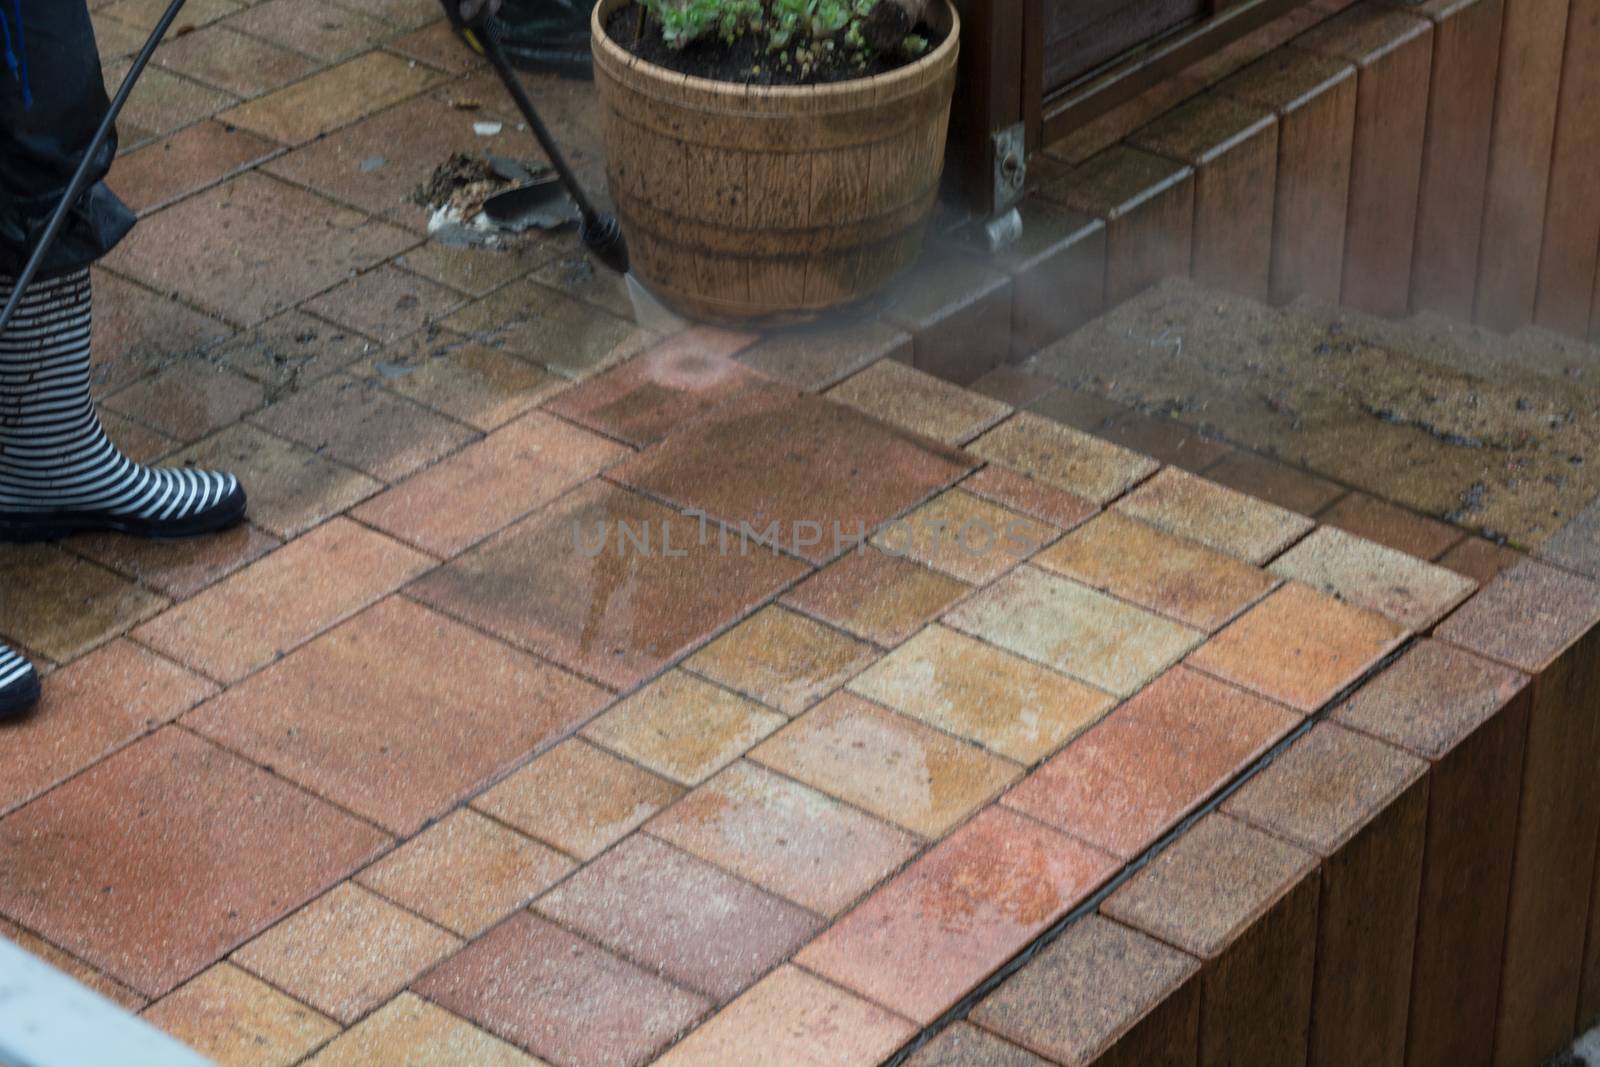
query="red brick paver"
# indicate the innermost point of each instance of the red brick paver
(155, 862)
(404, 769)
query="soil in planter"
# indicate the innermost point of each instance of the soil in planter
(746, 61)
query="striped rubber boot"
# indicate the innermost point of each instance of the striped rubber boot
(19, 685)
(59, 473)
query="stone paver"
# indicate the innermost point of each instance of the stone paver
(93, 705)
(562, 998)
(794, 840)
(921, 942)
(1364, 573)
(1153, 569)
(1298, 646)
(1072, 628)
(1101, 985)
(300, 245)
(890, 765)
(965, 536)
(409, 1028)
(354, 714)
(1064, 458)
(821, 473)
(680, 917)
(1126, 781)
(233, 1017)
(683, 727)
(793, 1019)
(1216, 516)
(466, 872)
(578, 798)
(169, 853)
(643, 604)
(961, 685)
(497, 737)
(783, 659)
(347, 952)
(908, 398)
(877, 596)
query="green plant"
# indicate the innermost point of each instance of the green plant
(799, 31)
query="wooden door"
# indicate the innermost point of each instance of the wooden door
(1080, 35)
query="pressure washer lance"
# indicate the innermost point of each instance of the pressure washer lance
(80, 177)
(599, 231)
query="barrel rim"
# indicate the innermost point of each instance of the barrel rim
(610, 52)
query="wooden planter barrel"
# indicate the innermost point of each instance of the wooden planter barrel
(746, 203)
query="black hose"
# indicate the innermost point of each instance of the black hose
(80, 178)
(600, 232)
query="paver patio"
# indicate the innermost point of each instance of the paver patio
(505, 735)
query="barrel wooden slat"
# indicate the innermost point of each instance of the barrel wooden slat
(714, 238)
(756, 203)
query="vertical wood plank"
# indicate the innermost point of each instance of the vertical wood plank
(1147, 203)
(1531, 46)
(1394, 54)
(1567, 261)
(1315, 99)
(1545, 623)
(1455, 165)
(1233, 148)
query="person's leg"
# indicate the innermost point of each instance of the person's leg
(59, 474)
(19, 685)
(45, 132)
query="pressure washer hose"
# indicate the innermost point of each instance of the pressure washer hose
(599, 231)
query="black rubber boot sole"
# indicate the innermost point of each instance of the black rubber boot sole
(18, 698)
(27, 528)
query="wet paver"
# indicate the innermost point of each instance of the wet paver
(1072, 628)
(1215, 516)
(561, 997)
(819, 474)
(892, 766)
(960, 911)
(232, 1016)
(347, 952)
(641, 604)
(499, 737)
(168, 854)
(787, 837)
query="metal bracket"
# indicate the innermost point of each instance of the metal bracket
(1010, 167)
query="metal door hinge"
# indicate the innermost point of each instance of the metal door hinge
(1010, 167)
